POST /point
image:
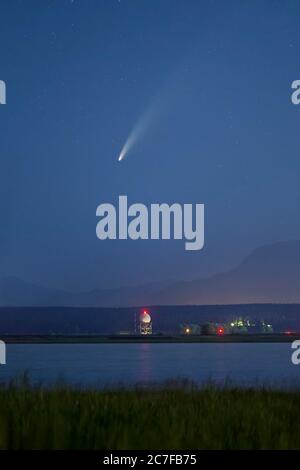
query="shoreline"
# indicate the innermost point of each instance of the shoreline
(134, 339)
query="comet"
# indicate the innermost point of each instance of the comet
(140, 128)
(159, 103)
(132, 138)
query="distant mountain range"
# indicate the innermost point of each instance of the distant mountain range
(270, 274)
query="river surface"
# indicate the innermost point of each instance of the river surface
(252, 364)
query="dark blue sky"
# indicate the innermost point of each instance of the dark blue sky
(79, 75)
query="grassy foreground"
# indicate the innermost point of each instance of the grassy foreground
(169, 418)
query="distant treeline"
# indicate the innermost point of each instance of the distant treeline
(166, 319)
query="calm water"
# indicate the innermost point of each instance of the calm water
(111, 364)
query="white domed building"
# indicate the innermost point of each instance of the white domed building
(145, 323)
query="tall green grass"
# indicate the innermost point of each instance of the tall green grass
(160, 418)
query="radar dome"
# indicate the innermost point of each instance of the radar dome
(145, 318)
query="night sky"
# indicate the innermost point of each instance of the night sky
(79, 76)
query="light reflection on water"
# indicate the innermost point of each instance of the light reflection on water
(129, 364)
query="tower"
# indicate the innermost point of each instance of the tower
(145, 323)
